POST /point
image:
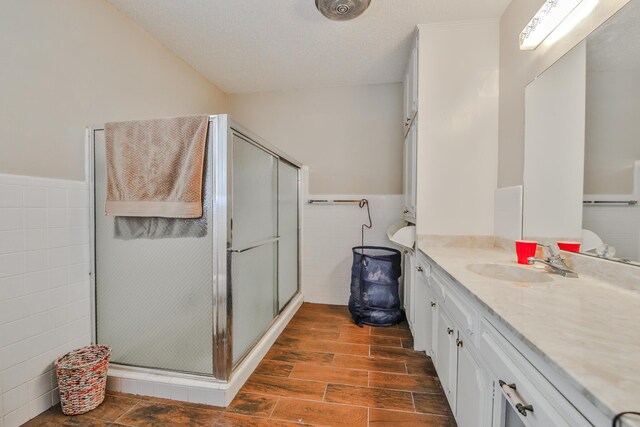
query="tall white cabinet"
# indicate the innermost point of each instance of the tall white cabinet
(410, 136)
(450, 176)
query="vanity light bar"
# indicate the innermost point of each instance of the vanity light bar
(550, 15)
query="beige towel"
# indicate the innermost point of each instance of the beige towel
(155, 167)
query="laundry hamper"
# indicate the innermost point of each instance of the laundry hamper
(374, 296)
(82, 378)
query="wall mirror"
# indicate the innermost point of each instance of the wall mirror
(582, 144)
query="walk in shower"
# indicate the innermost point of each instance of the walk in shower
(195, 296)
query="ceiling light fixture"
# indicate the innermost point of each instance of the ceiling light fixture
(342, 10)
(550, 15)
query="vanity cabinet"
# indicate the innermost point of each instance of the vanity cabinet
(474, 358)
(423, 317)
(409, 282)
(474, 389)
(445, 361)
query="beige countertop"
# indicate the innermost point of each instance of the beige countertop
(587, 330)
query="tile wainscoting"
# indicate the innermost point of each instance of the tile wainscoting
(329, 233)
(44, 288)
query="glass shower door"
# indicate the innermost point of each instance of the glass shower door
(154, 296)
(288, 232)
(253, 243)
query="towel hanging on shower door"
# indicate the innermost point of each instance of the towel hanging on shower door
(155, 167)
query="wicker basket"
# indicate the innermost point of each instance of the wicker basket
(82, 378)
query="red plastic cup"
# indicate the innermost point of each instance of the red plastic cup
(569, 246)
(525, 249)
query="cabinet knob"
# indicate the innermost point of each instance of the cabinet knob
(433, 304)
(420, 269)
(459, 342)
(406, 210)
(449, 331)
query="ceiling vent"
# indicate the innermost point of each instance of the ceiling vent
(342, 10)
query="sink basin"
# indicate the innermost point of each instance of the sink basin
(509, 273)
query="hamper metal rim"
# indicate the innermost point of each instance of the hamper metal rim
(385, 248)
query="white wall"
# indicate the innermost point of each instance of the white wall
(458, 128)
(330, 231)
(508, 213)
(554, 149)
(44, 288)
(612, 131)
(518, 68)
(69, 64)
(350, 137)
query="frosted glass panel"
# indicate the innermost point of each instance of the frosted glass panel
(254, 194)
(288, 232)
(254, 291)
(154, 297)
(253, 271)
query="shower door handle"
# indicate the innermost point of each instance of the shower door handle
(253, 246)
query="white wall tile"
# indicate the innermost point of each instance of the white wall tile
(35, 218)
(128, 386)
(145, 388)
(78, 272)
(10, 196)
(35, 239)
(11, 241)
(42, 315)
(36, 282)
(57, 217)
(79, 254)
(35, 261)
(17, 417)
(35, 197)
(58, 277)
(15, 398)
(39, 404)
(11, 219)
(57, 257)
(78, 217)
(330, 233)
(78, 199)
(12, 264)
(57, 198)
(57, 237)
(11, 287)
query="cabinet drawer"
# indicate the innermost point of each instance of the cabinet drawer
(550, 408)
(463, 314)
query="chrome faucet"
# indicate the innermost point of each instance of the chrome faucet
(554, 261)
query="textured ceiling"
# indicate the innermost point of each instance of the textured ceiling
(260, 45)
(615, 45)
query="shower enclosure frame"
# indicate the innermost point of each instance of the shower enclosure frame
(220, 157)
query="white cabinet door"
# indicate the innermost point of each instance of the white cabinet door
(413, 107)
(421, 289)
(409, 173)
(411, 88)
(432, 324)
(409, 279)
(446, 357)
(473, 400)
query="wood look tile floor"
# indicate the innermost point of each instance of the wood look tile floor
(323, 370)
